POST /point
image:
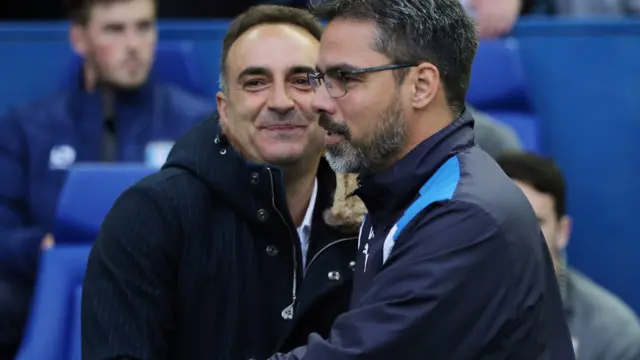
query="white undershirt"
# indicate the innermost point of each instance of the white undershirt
(304, 230)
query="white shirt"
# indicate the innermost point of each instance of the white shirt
(304, 231)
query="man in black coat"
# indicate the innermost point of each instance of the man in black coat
(236, 248)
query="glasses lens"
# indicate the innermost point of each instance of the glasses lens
(335, 84)
(314, 80)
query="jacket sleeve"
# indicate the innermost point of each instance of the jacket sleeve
(128, 286)
(431, 297)
(19, 243)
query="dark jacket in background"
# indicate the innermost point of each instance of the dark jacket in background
(467, 277)
(199, 261)
(39, 141)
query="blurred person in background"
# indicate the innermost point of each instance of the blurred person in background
(602, 326)
(496, 18)
(245, 242)
(493, 136)
(115, 114)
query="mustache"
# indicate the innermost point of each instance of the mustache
(333, 127)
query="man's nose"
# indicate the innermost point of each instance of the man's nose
(280, 100)
(322, 102)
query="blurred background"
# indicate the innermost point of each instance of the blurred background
(561, 76)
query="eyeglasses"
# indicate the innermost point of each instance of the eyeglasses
(336, 80)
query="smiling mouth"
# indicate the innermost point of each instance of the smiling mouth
(283, 128)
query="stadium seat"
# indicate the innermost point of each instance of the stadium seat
(54, 310)
(498, 87)
(87, 196)
(75, 343)
(497, 78)
(175, 64)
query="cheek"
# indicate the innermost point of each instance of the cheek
(360, 117)
(106, 54)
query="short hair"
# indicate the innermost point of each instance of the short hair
(540, 173)
(80, 10)
(415, 31)
(261, 15)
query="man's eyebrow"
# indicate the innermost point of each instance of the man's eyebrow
(253, 70)
(301, 69)
(340, 66)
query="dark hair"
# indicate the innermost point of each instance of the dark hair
(265, 14)
(538, 172)
(79, 10)
(415, 31)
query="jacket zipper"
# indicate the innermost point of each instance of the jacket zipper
(327, 247)
(287, 313)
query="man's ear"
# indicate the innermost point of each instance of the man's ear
(77, 39)
(566, 225)
(221, 100)
(425, 80)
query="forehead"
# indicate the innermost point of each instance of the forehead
(543, 204)
(122, 11)
(349, 42)
(273, 46)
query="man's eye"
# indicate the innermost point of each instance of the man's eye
(349, 78)
(254, 83)
(302, 82)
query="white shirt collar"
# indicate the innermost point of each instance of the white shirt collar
(308, 216)
(304, 230)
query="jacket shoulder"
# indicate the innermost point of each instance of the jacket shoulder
(173, 187)
(602, 306)
(38, 112)
(484, 184)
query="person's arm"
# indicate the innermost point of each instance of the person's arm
(19, 243)
(129, 282)
(444, 287)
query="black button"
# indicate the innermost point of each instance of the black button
(272, 250)
(263, 215)
(255, 178)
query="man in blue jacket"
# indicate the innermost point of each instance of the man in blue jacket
(452, 264)
(116, 113)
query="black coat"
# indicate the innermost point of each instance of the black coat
(200, 261)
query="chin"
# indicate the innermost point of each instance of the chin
(284, 159)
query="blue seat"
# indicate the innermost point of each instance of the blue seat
(497, 78)
(87, 196)
(75, 342)
(175, 63)
(48, 335)
(498, 87)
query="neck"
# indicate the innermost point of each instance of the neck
(90, 77)
(298, 184)
(425, 126)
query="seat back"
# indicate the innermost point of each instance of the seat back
(87, 196)
(75, 341)
(499, 88)
(497, 78)
(48, 331)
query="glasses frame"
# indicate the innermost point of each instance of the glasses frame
(319, 76)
